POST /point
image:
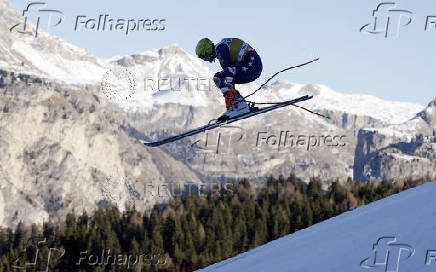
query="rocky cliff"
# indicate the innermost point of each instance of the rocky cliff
(403, 150)
(64, 150)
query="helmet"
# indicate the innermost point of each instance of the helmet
(204, 48)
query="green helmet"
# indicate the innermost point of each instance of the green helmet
(204, 48)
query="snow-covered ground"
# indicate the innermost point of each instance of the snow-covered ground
(399, 230)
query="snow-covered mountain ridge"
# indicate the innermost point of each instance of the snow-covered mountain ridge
(51, 57)
(46, 55)
(46, 78)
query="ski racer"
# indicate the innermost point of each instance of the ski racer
(240, 63)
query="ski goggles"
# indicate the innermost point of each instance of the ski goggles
(208, 57)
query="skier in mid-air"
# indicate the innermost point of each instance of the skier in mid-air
(241, 64)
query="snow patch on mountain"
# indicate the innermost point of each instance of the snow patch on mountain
(359, 104)
(168, 75)
(421, 122)
(45, 56)
(72, 71)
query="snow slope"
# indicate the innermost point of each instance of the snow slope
(344, 242)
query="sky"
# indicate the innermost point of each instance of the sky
(284, 33)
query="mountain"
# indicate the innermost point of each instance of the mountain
(165, 104)
(64, 150)
(243, 149)
(62, 142)
(66, 140)
(370, 107)
(392, 234)
(45, 56)
(398, 150)
(174, 67)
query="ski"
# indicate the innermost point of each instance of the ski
(234, 119)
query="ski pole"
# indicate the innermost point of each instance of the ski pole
(284, 70)
(301, 107)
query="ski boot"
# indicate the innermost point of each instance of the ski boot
(236, 105)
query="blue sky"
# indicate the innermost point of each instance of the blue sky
(284, 33)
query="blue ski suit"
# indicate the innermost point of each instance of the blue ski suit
(240, 62)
